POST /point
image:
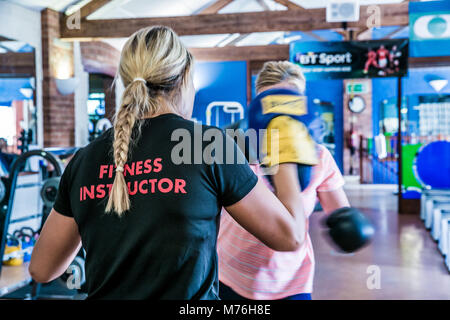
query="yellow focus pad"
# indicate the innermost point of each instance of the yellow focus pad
(294, 143)
(286, 104)
(16, 256)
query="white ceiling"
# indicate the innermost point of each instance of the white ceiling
(214, 40)
(161, 8)
(147, 8)
(11, 45)
(58, 5)
(309, 4)
(164, 8)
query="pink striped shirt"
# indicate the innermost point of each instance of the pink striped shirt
(257, 272)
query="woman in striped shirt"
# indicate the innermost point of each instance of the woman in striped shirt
(247, 268)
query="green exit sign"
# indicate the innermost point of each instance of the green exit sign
(356, 88)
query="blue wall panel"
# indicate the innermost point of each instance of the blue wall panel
(330, 91)
(219, 81)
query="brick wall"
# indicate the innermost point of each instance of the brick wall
(362, 122)
(57, 56)
(57, 60)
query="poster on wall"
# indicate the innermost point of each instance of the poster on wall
(429, 28)
(351, 59)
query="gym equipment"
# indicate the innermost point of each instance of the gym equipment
(445, 231)
(97, 127)
(28, 238)
(432, 165)
(380, 146)
(447, 257)
(26, 138)
(248, 149)
(411, 193)
(431, 204)
(284, 110)
(6, 205)
(428, 199)
(2, 191)
(277, 102)
(409, 152)
(349, 229)
(231, 108)
(438, 215)
(432, 170)
(13, 255)
(49, 191)
(102, 125)
(440, 230)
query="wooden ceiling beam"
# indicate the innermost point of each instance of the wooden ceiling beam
(424, 62)
(12, 63)
(259, 53)
(17, 59)
(248, 22)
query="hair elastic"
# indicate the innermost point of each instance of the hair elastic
(140, 79)
(119, 169)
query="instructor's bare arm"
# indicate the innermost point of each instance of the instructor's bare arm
(57, 246)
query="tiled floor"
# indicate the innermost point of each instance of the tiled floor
(402, 253)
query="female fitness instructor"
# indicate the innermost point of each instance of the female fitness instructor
(149, 226)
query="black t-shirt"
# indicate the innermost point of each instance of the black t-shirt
(164, 247)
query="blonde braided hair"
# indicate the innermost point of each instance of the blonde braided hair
(153, 67)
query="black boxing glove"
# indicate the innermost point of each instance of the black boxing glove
(349, 229)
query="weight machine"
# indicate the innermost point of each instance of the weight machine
(49, 173)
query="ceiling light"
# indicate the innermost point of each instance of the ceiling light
(27, 90)
(66, 86)
(438, 84)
